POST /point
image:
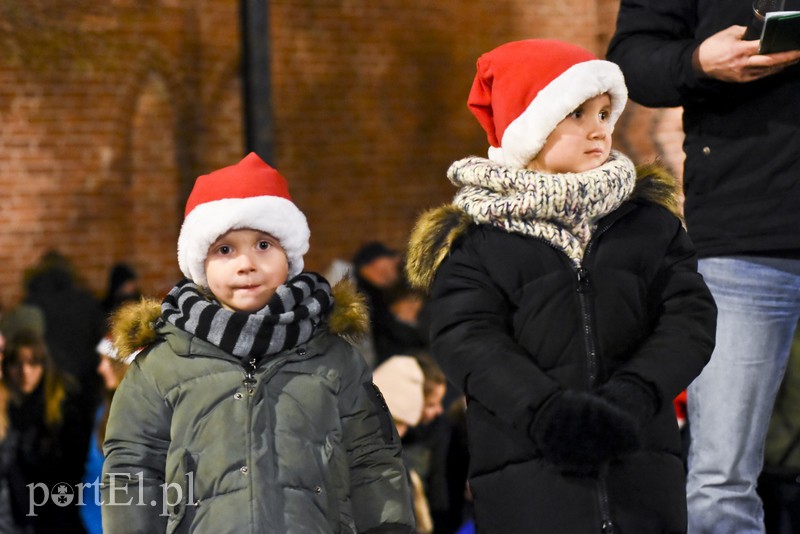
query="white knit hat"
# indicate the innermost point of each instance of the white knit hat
(250, 194)
(400, 380)
(523, 89)
(107, 348)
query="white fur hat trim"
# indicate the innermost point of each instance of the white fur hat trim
(526, 135)
(274, 215)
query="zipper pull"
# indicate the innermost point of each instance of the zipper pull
(583, 280)
(249, 380)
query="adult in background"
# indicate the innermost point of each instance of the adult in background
(376, 271)
(123, 286)
(742, 189)
(52, 431)
(8, 445)
(74, 321)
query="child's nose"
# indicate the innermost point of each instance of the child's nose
(245, 263)
(600, 130)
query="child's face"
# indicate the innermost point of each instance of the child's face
(433, 403)
(112, 372)
(580, 142)
(244, 268)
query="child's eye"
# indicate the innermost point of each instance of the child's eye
(224, 249)
(604, 115)
(577, 114)
(264, 245)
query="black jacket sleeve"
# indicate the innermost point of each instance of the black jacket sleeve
(653, 45)
(472, 339)
(683, 335)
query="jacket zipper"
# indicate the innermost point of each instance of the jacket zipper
(606, 525)
(251, 367)
(584, 288)
(249, 381)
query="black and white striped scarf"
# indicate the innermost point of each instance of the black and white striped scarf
(289, 318)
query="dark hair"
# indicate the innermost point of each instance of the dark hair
(119, 274)
(25, 338)
(434, 376)
(54, 384)
(371, 252)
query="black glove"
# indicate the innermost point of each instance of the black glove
(632, 395)
(579, 431)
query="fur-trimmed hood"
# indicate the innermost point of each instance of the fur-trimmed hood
(437, 229)
(133, 326)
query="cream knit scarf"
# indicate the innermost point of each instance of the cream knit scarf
(562, 209)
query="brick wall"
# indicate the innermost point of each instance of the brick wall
(108, 113)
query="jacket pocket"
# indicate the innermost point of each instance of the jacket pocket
(178, 495)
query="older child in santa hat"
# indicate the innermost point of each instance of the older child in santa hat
(565, 302)
(246, 412)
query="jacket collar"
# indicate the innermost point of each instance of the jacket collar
(139, 324)
(436, 230)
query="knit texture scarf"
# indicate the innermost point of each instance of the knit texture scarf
(562, 209)
(289, 318)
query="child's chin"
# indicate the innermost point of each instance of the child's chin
(591, 163)
(249, 308)
(244, 305)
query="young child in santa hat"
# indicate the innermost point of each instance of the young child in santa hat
(246, 412)
(565, 302)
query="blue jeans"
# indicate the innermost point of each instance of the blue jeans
(730, 403)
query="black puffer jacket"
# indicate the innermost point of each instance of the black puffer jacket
(514, 321)
(742, 164)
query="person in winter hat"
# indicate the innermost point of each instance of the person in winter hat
(401, 382)
(247, 409)
(112, 369)
(565, 303)
(123, 286)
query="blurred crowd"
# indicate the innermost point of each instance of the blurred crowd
(59, 371)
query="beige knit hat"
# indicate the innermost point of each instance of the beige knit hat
(400, 379)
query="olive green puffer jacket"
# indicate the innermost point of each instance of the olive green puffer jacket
(307, 447)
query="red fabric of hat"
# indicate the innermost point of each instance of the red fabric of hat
(249, 194)
(251, 177)
(523, 89)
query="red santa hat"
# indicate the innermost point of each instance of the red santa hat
(250, 194)
(523, 89)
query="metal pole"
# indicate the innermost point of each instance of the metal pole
(256, 79)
